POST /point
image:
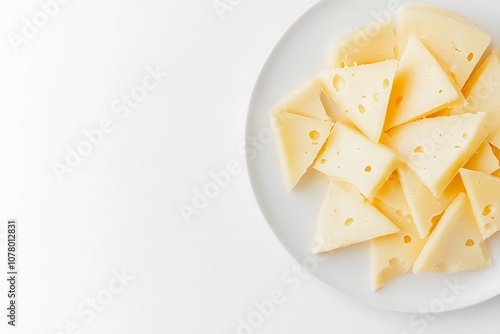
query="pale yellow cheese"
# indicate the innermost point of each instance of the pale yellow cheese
(436, 148)
(456, 243)
(304, 101)
(421, 86)
(350, 156)
(298, 144)
(484, 193)
(346, 218)
(483, 160)
(362, 92)
(394, 255)
(425, 208)
(369, 44)
(456, 42)
(483, 94)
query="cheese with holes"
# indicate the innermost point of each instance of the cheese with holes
(484, 193)
(483, 94)
(346, 218)
(369, 44)
(351, 157)
(483, 160)
(421, 86)
(424, 207)
(436, 148)
(455, 41)
(362, 93)
(304, 101)
(394, 255)
(298, 142)
(456, 243)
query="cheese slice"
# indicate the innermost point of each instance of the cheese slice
(298, 143)
(425, 208)
(369, 44)
(346, 218)
(362, 92)
(304, 101)
(456, 243)
(351, 157)
(421, 86)
(497, 173)
(436, 148)
(484, 193)
(483, 94)
(394, 255)
(483, 160)
(455, 41)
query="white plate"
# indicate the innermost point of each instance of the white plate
(299, 54)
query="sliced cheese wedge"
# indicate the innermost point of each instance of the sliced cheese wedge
(351, 157)
(436, 148)
(425, 208)
(304, 101)
(483, 94)
(454, 40)
(362, 92)
(298, 143)
(456, 243)
(483, 160)
(347, 218)
(421, 86)
(394, 255)
(369, 44)
(484, 193)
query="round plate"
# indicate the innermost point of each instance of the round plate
(299, 54)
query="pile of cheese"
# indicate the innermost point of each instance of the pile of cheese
(405, 125)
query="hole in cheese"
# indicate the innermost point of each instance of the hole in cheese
(407, 239)
(342, 64)
(368, 169)
(386, 83)
(322, 161)
(338, 82)
(376, 97)
(419, 149)
(440, 91)
(470, 243)
(488, 228)
(349, 222)
(470, 56)
(488, 209)
(465, 136)
(361, 109)
(314, 135)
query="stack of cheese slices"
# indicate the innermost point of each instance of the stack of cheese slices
(405, 125)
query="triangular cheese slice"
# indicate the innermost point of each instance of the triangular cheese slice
(364, 46)
(362, 92)
(481, 92)
(483, 160)
(436, 148)
(304, 101)
(347, 218)
(394, 255)
(456, 243)
(454, 40)
(484, 193)
(298, 142)
(425, 208)
(421, 87)
(351, 157)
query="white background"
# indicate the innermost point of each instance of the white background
(118, 209)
